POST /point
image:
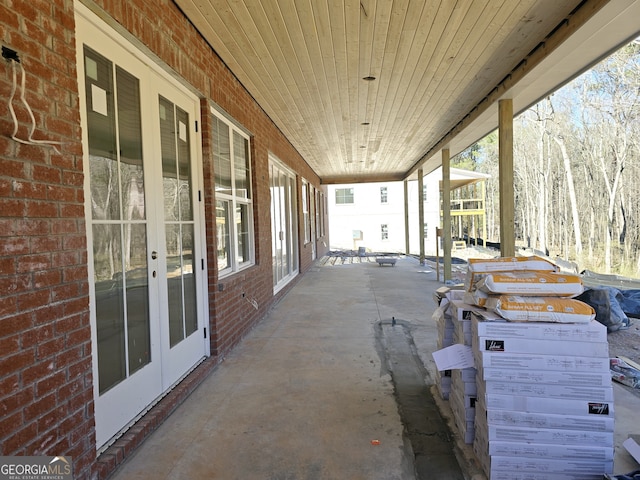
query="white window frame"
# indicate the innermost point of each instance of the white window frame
(384, 195)
(343, 196)
(234, 201)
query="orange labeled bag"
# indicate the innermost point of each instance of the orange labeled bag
(540, 309)
(539, 284)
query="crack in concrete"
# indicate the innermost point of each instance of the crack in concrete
(426, 434)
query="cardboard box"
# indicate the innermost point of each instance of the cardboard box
(593, 331)
(549, 436)
(547, 347)
(573, 452)
(464, 404)
(597, 394)
(556, 406)
(511, 418)
(546, 465)
(532, 376)
(465, 374)
(541, 476)
(564, 363)
(461, 312)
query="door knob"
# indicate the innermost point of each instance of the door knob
(154, 255)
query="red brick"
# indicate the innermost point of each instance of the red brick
(64, 226)
(16, 362)
(10, 423)
(47, 349)
(49, 420)
(13, 208)
(48, 314)
(13, 246)
(10, 345)
(38, 371)
(47, 278)
(50, 383)
(47, 243)
(12, 168)
(8, 386)
(39, 407)
(15, 284)
(34, 209)
(33, 299)
(46, 174)
(16, 401)
(19, 438)
(33, 336)
(68, 357)
(33, 263)
(32, 226)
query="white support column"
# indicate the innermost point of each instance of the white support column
(421, 215)
(446, 213)
(406, 218)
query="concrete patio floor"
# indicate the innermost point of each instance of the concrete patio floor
(335, 383)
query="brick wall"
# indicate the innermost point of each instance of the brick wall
(46, 395)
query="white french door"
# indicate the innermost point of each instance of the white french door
(144, 226)
(284, 224)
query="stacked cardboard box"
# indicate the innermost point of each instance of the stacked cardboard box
(463, 381)
(545, 400)
(444, 324)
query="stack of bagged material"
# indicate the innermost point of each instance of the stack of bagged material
(544, 408)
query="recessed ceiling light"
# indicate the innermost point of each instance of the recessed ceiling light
(369, 78)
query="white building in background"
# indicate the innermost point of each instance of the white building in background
(372, 215)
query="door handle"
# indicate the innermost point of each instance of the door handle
(154, 255)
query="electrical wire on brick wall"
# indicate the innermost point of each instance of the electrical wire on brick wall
(13, 59)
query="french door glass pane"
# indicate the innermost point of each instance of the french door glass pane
(178, 216)
(137, 283)
(174, 284)
(189, 280)
(109, 292)
(130, 140)
(119, 237)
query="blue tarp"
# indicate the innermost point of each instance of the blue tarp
(613, 306)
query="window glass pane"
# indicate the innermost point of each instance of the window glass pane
(189, 280)
(184, 165)
(222, 233)
(169, 159)
(174, 283)
(135, 241)
(344, 195)
(108, 278)
(242, 233)
(221, 156)
(241, 166)
(101, 132)
(130, 136)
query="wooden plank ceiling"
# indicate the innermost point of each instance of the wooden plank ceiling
(365, 88)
